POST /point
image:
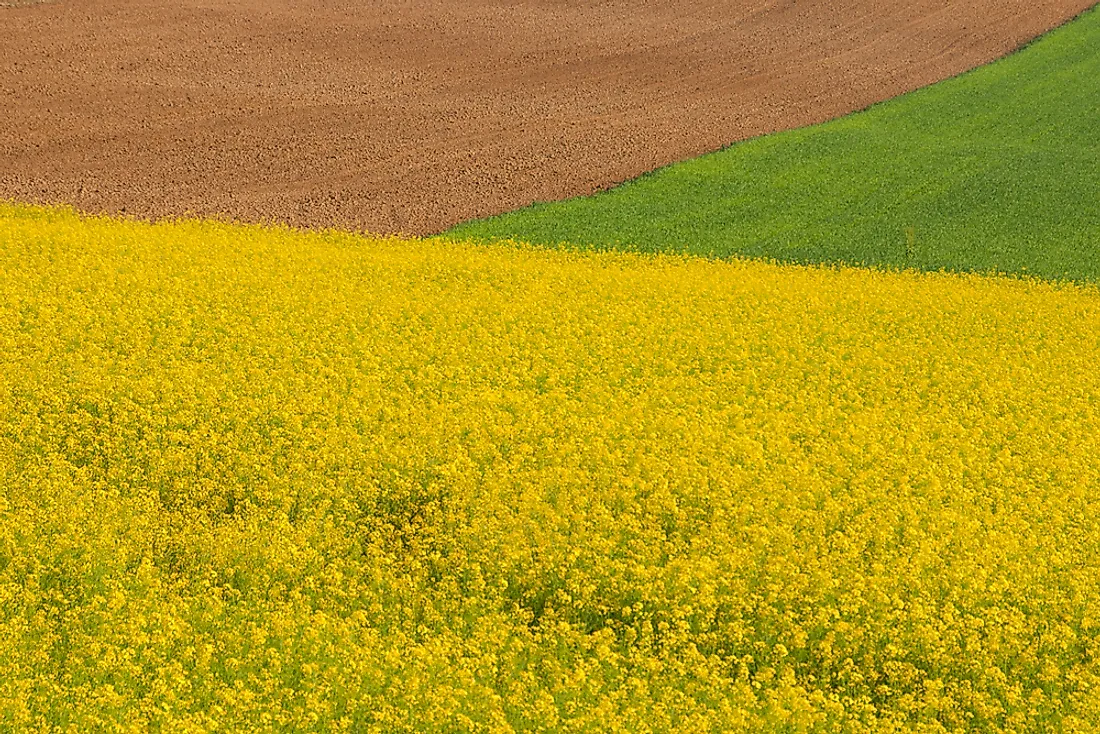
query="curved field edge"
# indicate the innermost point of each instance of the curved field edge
(258, 478)
(351, 115)
(994, 170)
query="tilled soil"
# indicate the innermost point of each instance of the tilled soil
(413, 115)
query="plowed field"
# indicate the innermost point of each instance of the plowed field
(402, 116)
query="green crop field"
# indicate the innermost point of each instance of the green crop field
(995, 170)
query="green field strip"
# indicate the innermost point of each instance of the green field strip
(994, 170)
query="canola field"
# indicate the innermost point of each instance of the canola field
(258, 478)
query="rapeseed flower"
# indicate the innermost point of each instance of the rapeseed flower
(258, 478)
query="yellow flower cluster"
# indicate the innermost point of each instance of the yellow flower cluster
(252, 478)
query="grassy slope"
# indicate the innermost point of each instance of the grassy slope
(998, 169)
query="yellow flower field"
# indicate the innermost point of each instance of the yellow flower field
(257, 478)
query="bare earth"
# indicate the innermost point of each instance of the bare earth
(412, 115)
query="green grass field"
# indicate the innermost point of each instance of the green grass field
(995, 170)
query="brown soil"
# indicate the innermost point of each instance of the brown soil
(412, 115)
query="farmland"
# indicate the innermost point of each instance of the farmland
(397, 116)
(800, 436)
(253, 477)
(997, 170)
